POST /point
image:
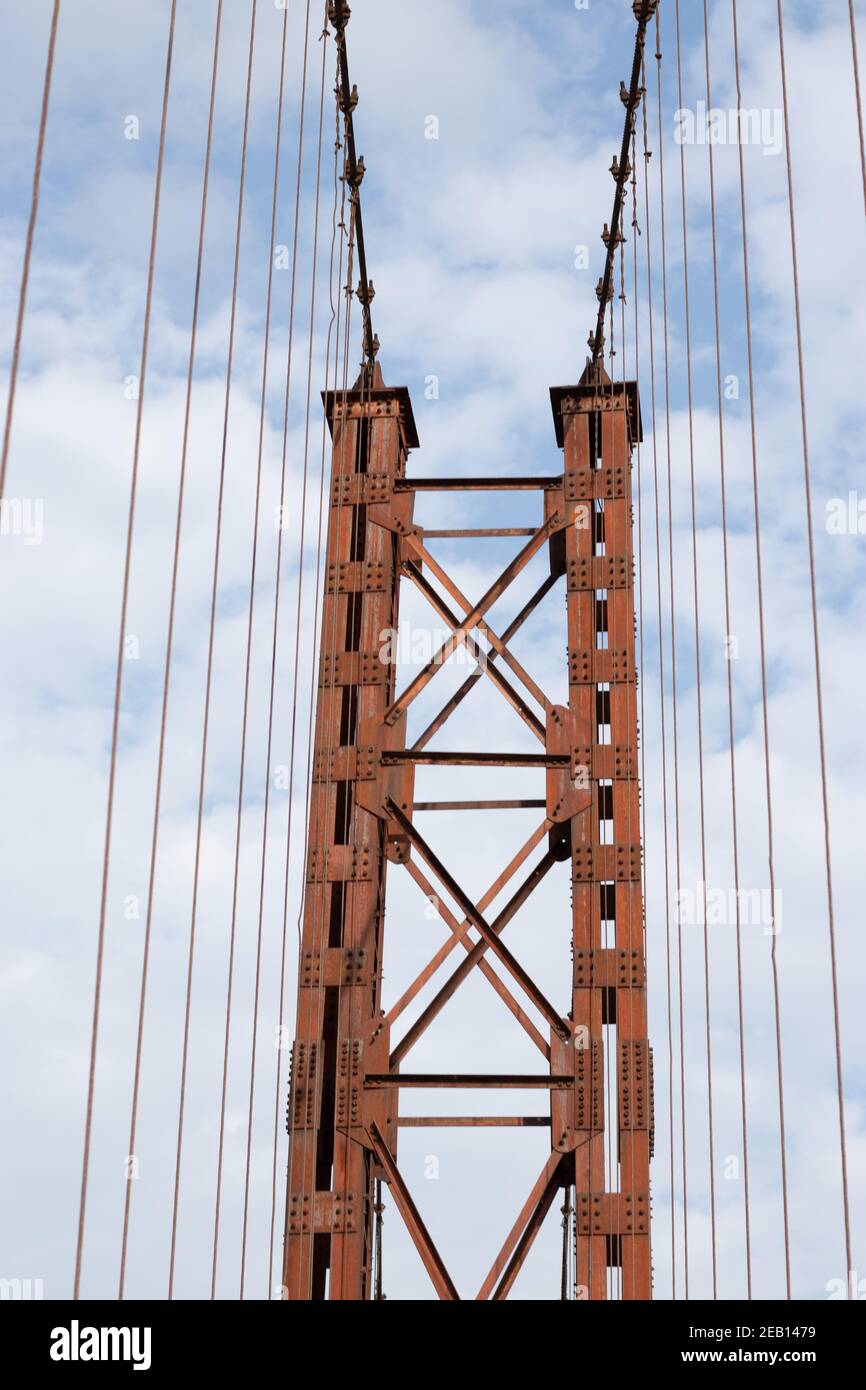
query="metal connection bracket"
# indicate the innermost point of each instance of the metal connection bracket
(588, 574)
(359, 577)
(323, 1212)
(612, 1214)
(569, 791)
(340, 864)
(608, 969)
(606, 863)
(351, 668)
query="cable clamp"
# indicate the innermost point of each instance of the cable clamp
(347, 104)
(339, 15)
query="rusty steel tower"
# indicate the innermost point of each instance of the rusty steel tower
(347, 1069)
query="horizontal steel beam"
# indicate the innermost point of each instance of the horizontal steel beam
(480, 806)
(480, 533)
(421, 1081)
(474, 1122)
(538, 484)
(400, 758)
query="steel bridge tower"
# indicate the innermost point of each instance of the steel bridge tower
(347, 1070)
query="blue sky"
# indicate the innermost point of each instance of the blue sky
(471, 242)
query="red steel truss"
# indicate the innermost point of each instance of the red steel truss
(347, 1068)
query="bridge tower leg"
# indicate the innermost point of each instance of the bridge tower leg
(329, 1210)
(347, 1072)
(597, 426)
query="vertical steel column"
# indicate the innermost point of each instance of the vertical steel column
(597, 425)
(346, 1079)
(339, 1037)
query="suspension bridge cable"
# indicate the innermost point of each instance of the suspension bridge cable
(212, 625)
(643, 11)
(118, 679)
(698, 663)
(763, 649)
(730, 678)
(359, 529)
(28, 246)
(640, 604)
(220, 501)
(640, 545)
(816, 638)
(674, 680)
(302, 545)
(277, 596)
(343, 318)
(346, 102)
(298, 614)
(169, 647)
(662, 714)
(858, 96)
(334, 321)
(261, 442)
(239, 817)
(630, 636)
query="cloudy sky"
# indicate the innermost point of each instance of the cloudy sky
(474, 243)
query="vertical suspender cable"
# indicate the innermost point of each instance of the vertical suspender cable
(214, 592)
(630, 634)
(333, 322)
(378, 1212)
(341, 338)
(763, 646)
(277, 595)
(216, 559)
(612, 1184)
(262, 405)
(858, 96)
(819, 695)
(169, 649)
(662, 697)
(28, 247)
(332, 645)
(674, 680)
(565, 1291)
(641, 685)
(118, 678)
(292, 1145)
(731, 737)
(240, 804)
(698, 664)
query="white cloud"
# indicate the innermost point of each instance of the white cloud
(471, 243)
